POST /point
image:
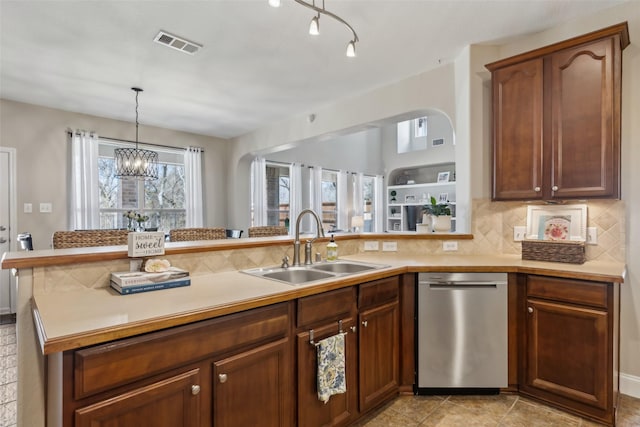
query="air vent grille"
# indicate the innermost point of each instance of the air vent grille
(177, 43)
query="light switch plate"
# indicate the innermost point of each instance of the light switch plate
(28, 207)
(518, 233)
(449, 245)
(389, 246)
(371, 245)
(592, 235)
(45, 208)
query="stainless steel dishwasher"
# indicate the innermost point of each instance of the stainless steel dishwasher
(461, 332)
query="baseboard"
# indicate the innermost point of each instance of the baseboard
(630, 385)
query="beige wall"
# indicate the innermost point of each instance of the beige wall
(39, 136)
(461, 90)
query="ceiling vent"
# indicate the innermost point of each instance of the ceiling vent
(177, 43)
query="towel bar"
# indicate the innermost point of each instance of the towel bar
(311, 333)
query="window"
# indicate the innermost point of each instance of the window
(329, 199)
(407, 140)
(162, 200)
(278, 194)
(368, 196)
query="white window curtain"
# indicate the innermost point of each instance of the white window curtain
(84, 200)
(315, 198)
(343, 201)
(193, 187)
(259, 191)
(295, 196)
(358, 200)
(378, 200)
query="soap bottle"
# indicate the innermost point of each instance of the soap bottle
(332, 250)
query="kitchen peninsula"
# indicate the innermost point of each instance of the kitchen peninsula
(76, 314)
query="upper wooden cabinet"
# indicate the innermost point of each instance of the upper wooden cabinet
(556, 119)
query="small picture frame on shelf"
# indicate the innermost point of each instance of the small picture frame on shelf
(396, 226)
(443, 198)
(409, 199)
(443, 177)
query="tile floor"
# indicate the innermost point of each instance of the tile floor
(406, 411)
(8, 375)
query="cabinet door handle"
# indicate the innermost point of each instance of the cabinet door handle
(530, 309)
(353, 328)
(195, 389)
(536, 189)
(554, 188)
(222, 378)
(365, 323)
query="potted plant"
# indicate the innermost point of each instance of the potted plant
(440, 215)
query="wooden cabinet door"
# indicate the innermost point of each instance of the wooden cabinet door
(518, 131)
(341, 409)
(172, 402)
(378, 354)
(584, 141)
(567, 353)
(254, 388)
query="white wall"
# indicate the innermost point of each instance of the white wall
(39, 136)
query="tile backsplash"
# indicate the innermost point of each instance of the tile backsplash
(492, 228)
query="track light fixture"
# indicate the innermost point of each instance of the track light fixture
(314, 26)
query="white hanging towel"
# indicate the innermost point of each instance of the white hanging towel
(331, 367)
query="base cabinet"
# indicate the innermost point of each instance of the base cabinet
(171, 402)
(379, 349)
(253, 388)
(570, 351)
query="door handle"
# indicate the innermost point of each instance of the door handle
(222, 378)
(365, 323)
(195, 389)
(530, 309)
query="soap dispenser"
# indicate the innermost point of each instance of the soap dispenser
(332, 250)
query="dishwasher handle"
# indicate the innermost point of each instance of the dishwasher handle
(447, 286)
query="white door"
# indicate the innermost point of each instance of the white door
(7, 233)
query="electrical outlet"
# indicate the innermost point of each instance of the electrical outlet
(389, 246)
(45, 208)
(28, 208)
(371, 245)
(518, 233)
(450, 245)
(592, 236)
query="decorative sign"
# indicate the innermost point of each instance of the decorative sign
(146, 244)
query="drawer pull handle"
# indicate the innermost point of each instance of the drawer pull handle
(222, 378)
(195, 389)
(530, 309)
(554, 188)
(365, 323)
(537, 189)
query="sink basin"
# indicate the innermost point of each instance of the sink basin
(303, 275)
(344, 267)
(297, 276)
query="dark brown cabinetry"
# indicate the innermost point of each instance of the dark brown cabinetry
(229, 371)
(556, 119)
(322, 316)
(570, 350)
(379, 350)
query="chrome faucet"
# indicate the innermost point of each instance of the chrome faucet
(307, 245)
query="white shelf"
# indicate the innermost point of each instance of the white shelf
(417, 186)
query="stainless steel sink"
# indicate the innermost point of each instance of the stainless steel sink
(304, 275)
(291, 275)
(344, 267)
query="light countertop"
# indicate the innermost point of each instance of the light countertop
(73, 319)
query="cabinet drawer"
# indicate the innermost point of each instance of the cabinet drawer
(329, 306)
(568, 290)
(110, 365)
(378, 292)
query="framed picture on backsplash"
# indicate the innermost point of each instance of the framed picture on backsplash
(563, 222)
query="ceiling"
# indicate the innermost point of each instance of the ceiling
(258, 65)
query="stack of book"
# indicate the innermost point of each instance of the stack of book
(131, 282)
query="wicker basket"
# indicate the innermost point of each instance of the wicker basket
(545, 250)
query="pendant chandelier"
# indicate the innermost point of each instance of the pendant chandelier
(136, 162)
